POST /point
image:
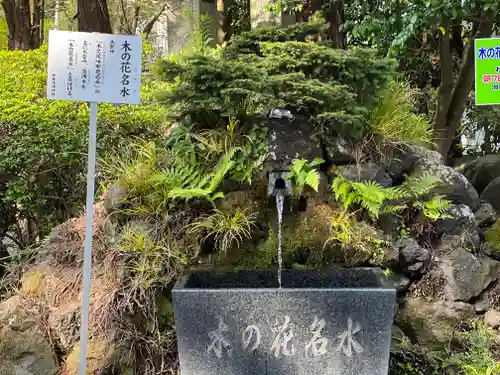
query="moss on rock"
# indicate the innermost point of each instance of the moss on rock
(492, 237)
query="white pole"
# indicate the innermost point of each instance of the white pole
(56, 16)
(87, 257)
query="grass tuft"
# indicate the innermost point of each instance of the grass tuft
(394, 119)
(227, 229)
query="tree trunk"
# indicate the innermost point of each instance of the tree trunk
(223, 21)
(336, 18)
(21, 33)
(446, 86)
(149, 27)
(93, 16)
(35, 29)
(135, 20)
(451, 106)
(42, 23)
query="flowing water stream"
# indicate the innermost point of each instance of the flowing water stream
(280, 198)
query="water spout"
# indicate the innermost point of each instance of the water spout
(279, 184)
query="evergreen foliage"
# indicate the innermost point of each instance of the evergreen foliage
(332, 87)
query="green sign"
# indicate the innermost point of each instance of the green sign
(487, 61)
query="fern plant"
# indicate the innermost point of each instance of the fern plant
(205, 187)
(375, 199)
(303, 173)
(370, 195)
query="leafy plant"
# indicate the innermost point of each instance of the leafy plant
(303, 173)
(251, 155)
(226, 229)
(436, 208)
(418, 185)
(478, 356)
(156, 178)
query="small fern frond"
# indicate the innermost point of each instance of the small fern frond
(436, 208)
(416, 186)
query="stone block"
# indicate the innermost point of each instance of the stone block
(242, 323)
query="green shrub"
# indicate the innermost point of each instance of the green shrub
(150, 261)
(332, 87)
(43, 144)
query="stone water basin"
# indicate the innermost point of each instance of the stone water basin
(319, 323)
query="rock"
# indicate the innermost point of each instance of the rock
(114, 199)
(400, 282)
(401, 163)
(414, 260)
(289, 140)
(482, 304)
(366, 172)
(23, 347)
(454, 185)
(469, 239)
(490, 251)
(390, 223)
(491, 246)
(466, 275)
(323, 194)
(239, 200)
(431, 322)
(492, 318)
(339, 151)
(485, 215)
(461, 219)
(64, 323)
(26, 353)
(490, 193)
(480, 172)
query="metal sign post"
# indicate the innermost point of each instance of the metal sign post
(87, 252)
(93, 68)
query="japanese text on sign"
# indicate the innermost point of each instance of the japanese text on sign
(487, 66)
(284, 342)
(94, 67)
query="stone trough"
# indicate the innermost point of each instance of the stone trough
(242, 323)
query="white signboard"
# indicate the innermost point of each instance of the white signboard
(94, 67)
